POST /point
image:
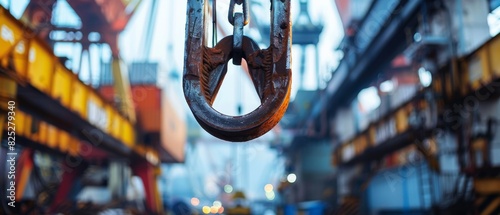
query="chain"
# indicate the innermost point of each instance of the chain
(246, 13)
(238, 20)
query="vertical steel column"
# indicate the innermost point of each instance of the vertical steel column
(122, 88)
(302, 66)
(24, 167)
(147, 173)
(71, 175)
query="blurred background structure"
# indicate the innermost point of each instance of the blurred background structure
(395, 110)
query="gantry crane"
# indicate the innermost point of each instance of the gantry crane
(58, 114)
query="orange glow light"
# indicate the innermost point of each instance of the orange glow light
(195, 201)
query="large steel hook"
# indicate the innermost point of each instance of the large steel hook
(270, 71)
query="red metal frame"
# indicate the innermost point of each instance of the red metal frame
(147, 173)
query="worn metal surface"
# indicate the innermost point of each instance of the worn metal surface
(246, 11)
(270, 70)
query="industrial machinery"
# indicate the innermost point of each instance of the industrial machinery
(63, 135)
(269, 69)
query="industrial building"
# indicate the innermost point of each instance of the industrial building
(375, 107)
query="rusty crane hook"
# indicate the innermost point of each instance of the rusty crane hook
(270, 71)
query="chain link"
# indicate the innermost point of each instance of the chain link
(246, 13)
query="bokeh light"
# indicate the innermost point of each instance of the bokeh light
(228, 188)
(270, 195)
(214, 209)
(291, 178)
(217, 204)
(195, 201)
(268, 188)
(206, 209)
